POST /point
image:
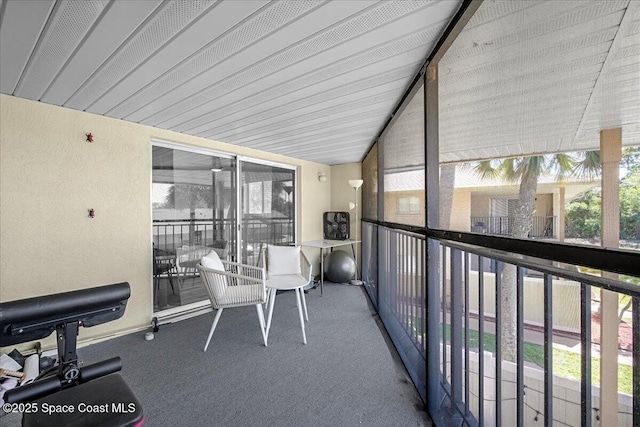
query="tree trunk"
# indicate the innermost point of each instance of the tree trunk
(508, 304)
(192, 226)
(522, 222)
(447, 183)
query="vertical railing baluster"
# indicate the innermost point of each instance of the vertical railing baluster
(377, 232)
(409, 281)
(397, 306)
(498, 344)
(412, 290)
(444, 313)
(456, 326)
(397, 277)
(382, 266)
(481, 339)
(585, 354)
(548, 351)
(392, 285)
(394, 272)
(387, 273)
(432, 314)
(520, 346)
(400, 274)
(635, 318)
(423, 292)
(405, 285)
(466, 334)
(419, 294)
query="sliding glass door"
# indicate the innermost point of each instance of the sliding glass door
(194, 212)
(267, 195)
(203, 201)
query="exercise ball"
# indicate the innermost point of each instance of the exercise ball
(339, 267)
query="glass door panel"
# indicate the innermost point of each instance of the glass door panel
(267, 195)
(194, 211)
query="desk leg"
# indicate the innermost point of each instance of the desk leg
(321, 269)
(353, 249)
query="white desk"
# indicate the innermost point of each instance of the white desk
(329, 244)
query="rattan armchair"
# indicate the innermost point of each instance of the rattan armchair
(230, 284)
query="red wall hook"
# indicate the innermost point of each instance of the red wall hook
(90, 137)
(92, 213)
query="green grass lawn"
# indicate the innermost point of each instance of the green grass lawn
(566, 364)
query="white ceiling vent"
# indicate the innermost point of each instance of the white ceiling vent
(166, 23)
(67, 26)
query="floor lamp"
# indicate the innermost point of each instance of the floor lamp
(356, 183)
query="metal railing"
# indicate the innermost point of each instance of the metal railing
(451, 337)
(394, 275)
(543, 226)
(169, 235)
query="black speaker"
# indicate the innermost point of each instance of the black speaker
(335, 225)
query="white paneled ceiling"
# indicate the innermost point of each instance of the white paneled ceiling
(528, 77)
(317, 80)
(310, 79)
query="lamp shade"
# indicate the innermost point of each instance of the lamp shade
(355, 183)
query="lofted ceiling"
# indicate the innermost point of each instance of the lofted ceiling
(317, 80)
(310, 79)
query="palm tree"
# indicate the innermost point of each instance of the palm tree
(447, 184)
(198, 196)
(527, 171)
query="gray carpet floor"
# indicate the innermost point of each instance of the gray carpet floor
(346, 375)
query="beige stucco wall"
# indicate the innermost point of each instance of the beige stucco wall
(461, 211)
(342, 193)
(391, 208)
(50, 176)
(480, 205)
(566, 297)
(544, 205)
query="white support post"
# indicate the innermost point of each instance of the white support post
(610, 155)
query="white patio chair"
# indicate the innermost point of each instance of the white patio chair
(287, 269)
(187, 257)
(231, 284)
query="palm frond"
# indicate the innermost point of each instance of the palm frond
(509, 169)
(589, 166)
(485, 169)
(564, 165)
(525, 166)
